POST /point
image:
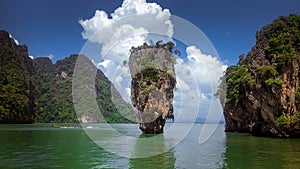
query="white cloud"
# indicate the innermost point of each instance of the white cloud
(122, 80)
(201, 69)
(105, 63)
(197, 81)
(16, 41)
(31, 56)
(49, 56)
(118, 79)
(128, 26)
(207, 68)
(128, 91)
(132, 15)
(93, 61)
(182, 85)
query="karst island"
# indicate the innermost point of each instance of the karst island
(152, 85)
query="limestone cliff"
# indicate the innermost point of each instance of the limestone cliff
(261, 94)
(153, 81)
(36, 90)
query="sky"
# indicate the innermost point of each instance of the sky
(214, 32)
(51, 27)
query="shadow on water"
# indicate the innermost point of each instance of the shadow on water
(244, 151)
(165, 159)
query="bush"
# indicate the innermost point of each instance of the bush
(266, 71)
(268, 75)
(275, 80)
(282, 120)
(238, 78)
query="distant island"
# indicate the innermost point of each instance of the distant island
(261, 94)
(38, 91)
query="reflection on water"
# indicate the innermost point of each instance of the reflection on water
(40, 146)
(191, 154)
(244, 151)
(163, 160)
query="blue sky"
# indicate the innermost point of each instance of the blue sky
(50, 27)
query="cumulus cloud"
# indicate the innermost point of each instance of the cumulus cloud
(197, 79)
(128, 26)
(207, 68)
(31, 57)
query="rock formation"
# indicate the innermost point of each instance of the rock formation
(153, 81)
(261, 95)
(36, 90)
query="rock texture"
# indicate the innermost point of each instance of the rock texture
(153, 81)
(261, 95)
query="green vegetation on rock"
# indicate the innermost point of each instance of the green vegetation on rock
(261, 94)
(152, 85)
(15, 83)
(268, 75)
(238, 78)
(38, 91)
(55, 105)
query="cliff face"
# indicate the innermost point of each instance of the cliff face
(36, 90)
(53, 93)
(153, 81)
(15, 86)
(261, 94)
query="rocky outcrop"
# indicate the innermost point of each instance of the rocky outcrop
(153, 81)
(261, 95)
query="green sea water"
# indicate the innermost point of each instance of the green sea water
(42, 146)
